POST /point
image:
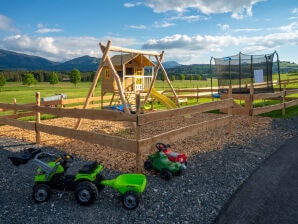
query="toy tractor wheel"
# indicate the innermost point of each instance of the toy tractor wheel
(41, 193)
(148, 165)
(130, 200)
(98, 184)
(86, 193)
(165, 174)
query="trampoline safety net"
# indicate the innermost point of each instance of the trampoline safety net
(241, 69)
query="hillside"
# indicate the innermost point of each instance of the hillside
(10, 60)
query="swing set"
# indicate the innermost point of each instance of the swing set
(126, 75)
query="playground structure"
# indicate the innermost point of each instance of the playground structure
(241, 70)
(124, 76)
(127, 77)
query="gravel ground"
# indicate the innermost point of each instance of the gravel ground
(194, 197)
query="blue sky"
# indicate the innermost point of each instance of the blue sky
(188, 31)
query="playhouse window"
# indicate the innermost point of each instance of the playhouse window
(139, 71)
(129, 71)
(107, 73)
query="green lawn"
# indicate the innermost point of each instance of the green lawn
(25, 94)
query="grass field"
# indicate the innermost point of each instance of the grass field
(25, 94)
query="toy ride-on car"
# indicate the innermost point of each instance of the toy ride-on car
(173, 156)
(86, 183)
(159, 162)
(51, 174)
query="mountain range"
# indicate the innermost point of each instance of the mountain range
(10, 60)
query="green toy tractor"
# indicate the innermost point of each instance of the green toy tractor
(160, 162)
(86, 183)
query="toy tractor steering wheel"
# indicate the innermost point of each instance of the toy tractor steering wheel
(160, 146)
(67, 158)
(64, 159)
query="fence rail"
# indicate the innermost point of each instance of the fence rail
(138, 145)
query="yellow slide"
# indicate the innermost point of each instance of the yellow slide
(163, 99)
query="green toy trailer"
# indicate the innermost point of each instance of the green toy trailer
(86, 183)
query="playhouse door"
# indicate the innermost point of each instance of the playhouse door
(139, 84)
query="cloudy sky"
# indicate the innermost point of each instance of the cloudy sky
(188, 31)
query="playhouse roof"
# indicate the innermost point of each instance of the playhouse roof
(141, 59)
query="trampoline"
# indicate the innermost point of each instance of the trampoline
(240, 70)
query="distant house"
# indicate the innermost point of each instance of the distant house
(65, 79)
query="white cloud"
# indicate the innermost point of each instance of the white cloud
(138, 27)
(189, 19)
(239, 8)
(130, 4)
(6, 24)
(289, 27)
(42, 29)
(56, 49)
(192, 46)
(224, 27)
(163, 24)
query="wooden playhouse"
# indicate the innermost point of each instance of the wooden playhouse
(135, 72)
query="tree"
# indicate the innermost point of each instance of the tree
(2, 81)
(182, 77)
(29, 79)
(75, 76)
(54, 78)
(173, 78)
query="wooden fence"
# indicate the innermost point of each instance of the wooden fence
(138, 145)
(249, 108)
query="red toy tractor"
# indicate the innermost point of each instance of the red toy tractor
(172, 156)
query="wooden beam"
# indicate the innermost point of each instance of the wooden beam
(184, 132)
(75, 113)
(168, 114)
(95, 138)
(118, 82)
(261, 110)
(127, 50)
(95, 80)
(167, 78)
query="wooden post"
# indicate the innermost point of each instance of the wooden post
(251, 101)
(37, 133)
(230, 111)
(95, 79)
(284, 99)
(197, 93)
(138, 135)
(61, 100)
(14, 102)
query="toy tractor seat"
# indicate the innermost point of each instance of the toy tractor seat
(89, 167)
(25, 157)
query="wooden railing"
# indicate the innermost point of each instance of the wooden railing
(249, 108)
(138, 145)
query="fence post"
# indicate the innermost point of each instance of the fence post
(198, 93)
(230, 112)
(61, 100)
(138, 135)
(37, 133)
(284, 99)
(251, 101)
(14, 102)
